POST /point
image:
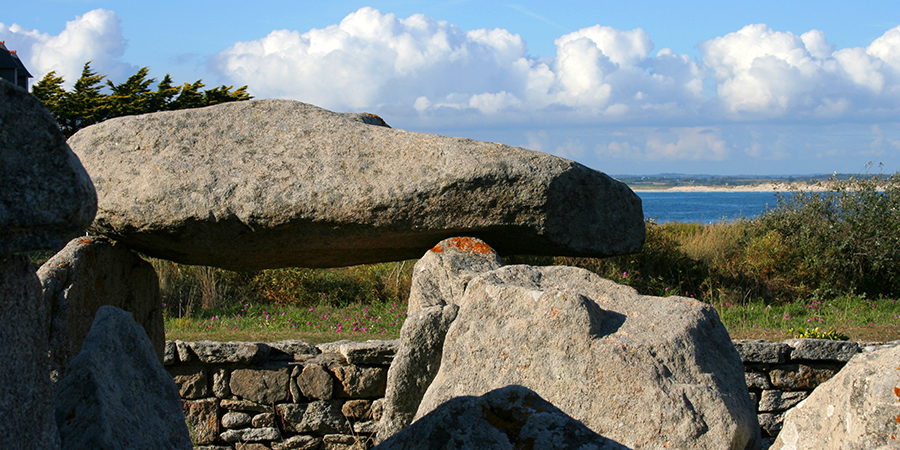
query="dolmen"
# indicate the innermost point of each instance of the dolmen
(276, 183)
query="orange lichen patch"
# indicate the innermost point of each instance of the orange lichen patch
(85, 241)
(467, 244)
(897, 392)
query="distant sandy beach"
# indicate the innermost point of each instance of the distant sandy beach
(762, 187)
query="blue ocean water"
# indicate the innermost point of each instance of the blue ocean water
(704, 207)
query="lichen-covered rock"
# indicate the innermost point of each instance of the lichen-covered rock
(856, 409)
(203, 418)
(25, 371)
(277, 183)
(647, 372)
(47, 197)
(91, 272)
(439, 281)
(507, 418)
(116, 394)
(441, 275)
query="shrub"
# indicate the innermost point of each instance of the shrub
(842, 240)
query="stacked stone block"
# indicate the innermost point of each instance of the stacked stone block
(283, 395)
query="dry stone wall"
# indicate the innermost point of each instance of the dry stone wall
(291, 395)
(282, 395)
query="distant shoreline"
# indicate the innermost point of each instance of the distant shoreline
(761, 187)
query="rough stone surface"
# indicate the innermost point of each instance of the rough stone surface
(318, 418)
(757, 380)
(357, 409)
(292, 350)
(856, 409)
(779, 400)
(264, 386)
(342, 442)
(360, 381)
(212, 352)
(116, 394)
(299, 442)
(203, 418)
(244, 405)
(192, 381)
(251, 435)
(369, 352)
(643, 371)
(441, 275)
(47, 197)
(25, 371)
(264, 420)
(170, 355)
(285, 184)
(415, 366)
(760, 351)
(822, 349)
(315, 383)
(506, 418)
(88, 273)
(235, 419)
(438, 283)
(801, 376)
(220, 383)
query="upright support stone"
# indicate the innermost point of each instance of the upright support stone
(26, 393)
(91, 272)
(439, 280)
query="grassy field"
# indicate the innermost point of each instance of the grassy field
(819, 264)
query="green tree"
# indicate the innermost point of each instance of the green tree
(131, 97)
(85, 105)
(223, 94)
(189, 97)
(50, 91)
(166, 91)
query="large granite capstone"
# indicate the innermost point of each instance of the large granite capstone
(277, 183)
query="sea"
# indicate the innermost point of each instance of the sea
(705, 207)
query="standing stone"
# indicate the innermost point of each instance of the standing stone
(440, 277)
(47, 197)
(116, 394)
(26, 393)
(414, 367)
(512, 417)
(648, 372)
(859, 408)
(91, 272)
(276, 183)
(438, 283)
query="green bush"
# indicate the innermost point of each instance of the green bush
(843, 240)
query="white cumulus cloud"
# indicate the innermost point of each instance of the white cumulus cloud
(761, 74)
(95, 36)
(422, 67)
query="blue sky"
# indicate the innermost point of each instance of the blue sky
(642, 87)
